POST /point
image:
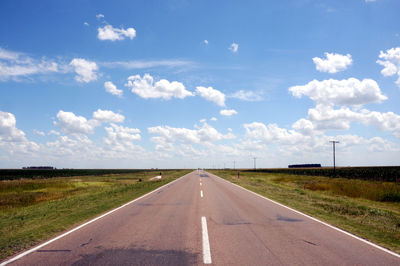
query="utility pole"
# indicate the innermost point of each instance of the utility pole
(334, 157)
(255, 159)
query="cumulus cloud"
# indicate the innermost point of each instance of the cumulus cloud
(234, 48)
(390, 60)
(99, 16)
(228, 112)
(85, 23)
(293, 142)
(325, 117)
(205, 42)
(121, 137)
(111, 88)
(145, 87)
(333, 63)
(110, 33)
(201, 135)
(212, 95)
(12, 139)
(15, 64)
(8, 130)
(85, 70)
(213, 119)
(70, 123)
(78, 146)
(272, 133)
(108, 116)
(341, 92)
(249, 96)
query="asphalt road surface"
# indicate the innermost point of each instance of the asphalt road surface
(202, 219)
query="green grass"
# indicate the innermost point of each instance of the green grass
(32, 211)
(368, 209)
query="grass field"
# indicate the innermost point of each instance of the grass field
(372, 173)
(369, 209)
(32, 211)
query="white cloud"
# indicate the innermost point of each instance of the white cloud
(12, 139)
(121, 137)
(234, 47)
(391, 63)
(212, 95)
(38, 132)
(341, 92)
(85, 69)
(305, 127)
(228, 112)
(325, 117)
(213, 119)
(53, 132)
(111, 88)
(79, 147)
(249, 96)
(15, 64)
(9, 55)
(146, 88)
(272, 133)
(85, 23)
(110, 33)
(201, 135)
(108, 116)
(8, 130)
(370, 1)
(99, 16)
(70, 123)
(205, 42)
(140, 64)
(333, 62)
(291, 141)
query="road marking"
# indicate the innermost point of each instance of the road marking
(315, 219)
(201, 184)
(206, 243)
(201, 193)
(82, 225)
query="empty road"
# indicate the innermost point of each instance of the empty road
(203, 219)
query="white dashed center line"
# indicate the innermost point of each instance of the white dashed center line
(206, 243)
(201, 193)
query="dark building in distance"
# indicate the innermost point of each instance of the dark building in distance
(311, 165)
(38, 168)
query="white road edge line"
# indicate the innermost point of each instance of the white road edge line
(206, 243)
(319, 221)
(201, 193)
(83, 225)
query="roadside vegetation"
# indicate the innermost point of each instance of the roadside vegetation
(374, 173)
(369, 209)
(33, 210)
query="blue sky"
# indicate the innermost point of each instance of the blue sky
(165, 84)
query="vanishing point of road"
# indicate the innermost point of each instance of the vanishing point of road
(202, 219)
